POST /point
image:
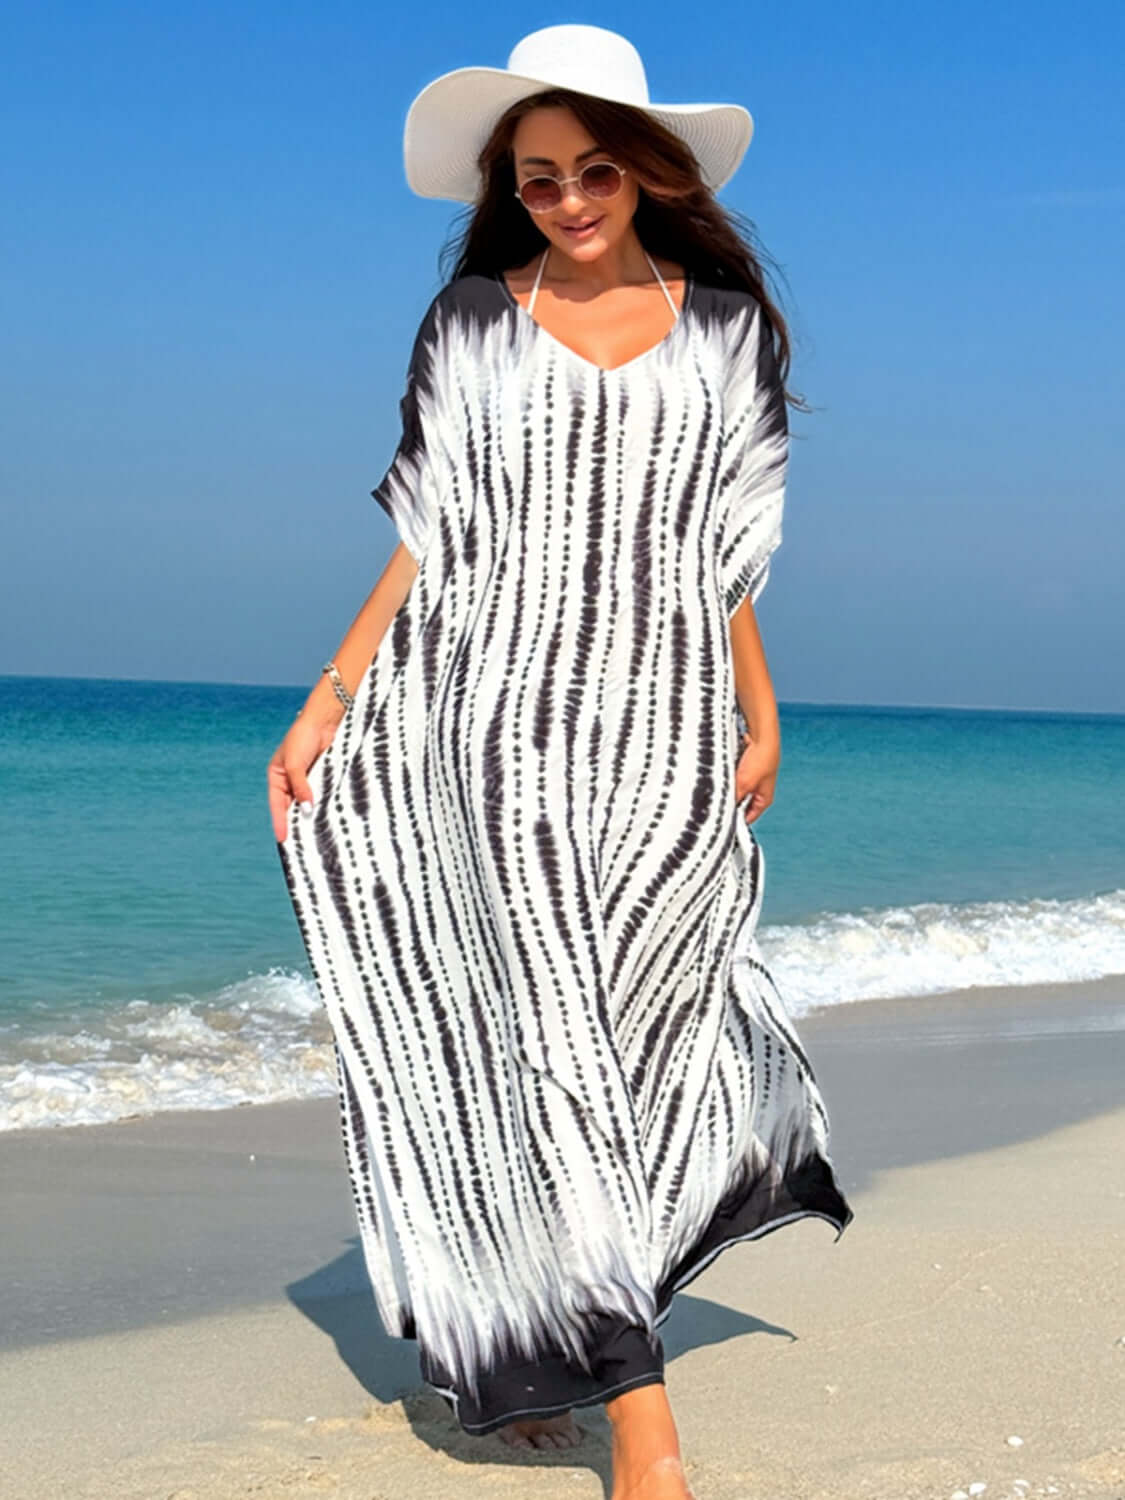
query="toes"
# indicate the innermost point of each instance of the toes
(514, 1438)
(553, 1441)
(542, 1433)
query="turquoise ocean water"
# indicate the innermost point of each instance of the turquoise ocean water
(149, 957)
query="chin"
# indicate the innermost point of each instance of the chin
(584, 249)
(590, 251)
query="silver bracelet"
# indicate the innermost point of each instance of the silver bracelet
(342, 693)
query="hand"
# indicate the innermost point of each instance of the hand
(756, 772)
(311, 734)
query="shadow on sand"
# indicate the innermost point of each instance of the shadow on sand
(338, 1301)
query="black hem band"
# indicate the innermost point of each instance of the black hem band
(622, 1355)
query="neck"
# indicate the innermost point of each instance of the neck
(621, 263)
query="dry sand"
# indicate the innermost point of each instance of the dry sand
(179, 1321)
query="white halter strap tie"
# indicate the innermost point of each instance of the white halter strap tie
(648, 257)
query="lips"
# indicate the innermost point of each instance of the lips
(583, 229)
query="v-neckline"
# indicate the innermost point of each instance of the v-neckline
(689, 283)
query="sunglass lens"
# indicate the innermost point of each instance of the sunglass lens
(600, 179)
(540, 194)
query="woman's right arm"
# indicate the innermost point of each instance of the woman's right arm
(316, 722)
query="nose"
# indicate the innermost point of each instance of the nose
(573, 199)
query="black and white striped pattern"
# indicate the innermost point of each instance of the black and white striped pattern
(527, 894)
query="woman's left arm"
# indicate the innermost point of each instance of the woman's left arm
(755, 462)
(761, 755)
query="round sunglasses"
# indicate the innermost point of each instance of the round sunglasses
(598, 179)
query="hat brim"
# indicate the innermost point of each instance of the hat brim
(450, 120)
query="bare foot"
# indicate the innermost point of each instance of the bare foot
(646, 1447)
(664, 1479)
(543, 1432)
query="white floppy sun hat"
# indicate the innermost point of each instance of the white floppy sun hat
(450, 120)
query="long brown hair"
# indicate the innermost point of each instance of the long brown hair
(677, 217)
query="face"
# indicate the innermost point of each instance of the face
(552, 142)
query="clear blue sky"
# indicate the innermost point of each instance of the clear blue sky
(211, 270)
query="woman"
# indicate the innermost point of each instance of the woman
(524, 870)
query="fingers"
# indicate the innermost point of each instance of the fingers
(300, 788)
(279, 814)
(288, 772)
(754, 778)
(757, 806)
(279, 796)
(287, 783)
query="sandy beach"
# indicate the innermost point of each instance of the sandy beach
(184, 1313)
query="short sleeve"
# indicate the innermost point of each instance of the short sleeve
(408, 490)
(754, 460)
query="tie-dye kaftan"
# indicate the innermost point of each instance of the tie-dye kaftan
(527, 894)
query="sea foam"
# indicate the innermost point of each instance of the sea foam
(267, 1037)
